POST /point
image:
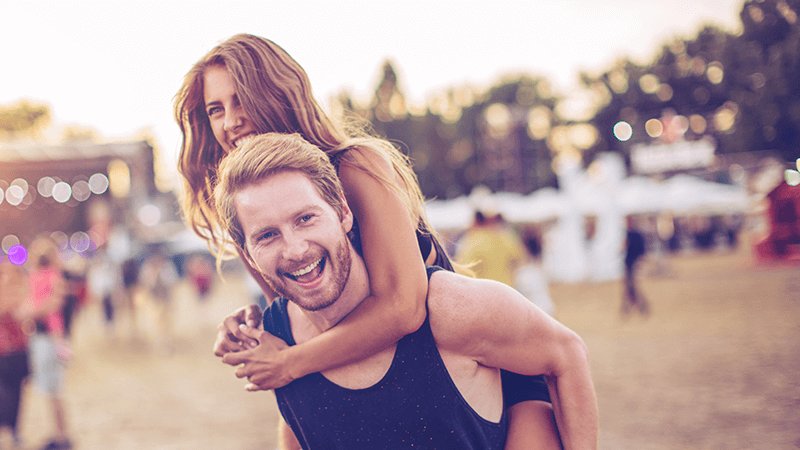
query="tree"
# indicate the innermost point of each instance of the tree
(744, 91)
(23, 118)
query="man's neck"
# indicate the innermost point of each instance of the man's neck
(355, 291)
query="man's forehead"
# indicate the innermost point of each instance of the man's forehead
(278, 186)
(276, 195)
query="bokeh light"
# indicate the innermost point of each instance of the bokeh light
(583, 136)
(664, 92)
(18, 255)
(539, 122)
(2, 195)
(62, 192)
(697, 123)
(715, 73)
(792, 177)
(61, 239)
(14, 195)
(79, 241)
(22, 184)
(725, 117)
(654, 128)
(649, 83)
(98, 183)
(149, 215)
(498, 117)
(9, 241)
(623, 131)
(119, 178)
(81, 191)
(45, 186)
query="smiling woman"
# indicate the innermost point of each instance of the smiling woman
(249, 85)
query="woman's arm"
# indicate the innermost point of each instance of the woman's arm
(398, 282)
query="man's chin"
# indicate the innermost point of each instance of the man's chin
(310, 305)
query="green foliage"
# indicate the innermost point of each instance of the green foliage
(760, 84)
(741, 90)
(23, 118)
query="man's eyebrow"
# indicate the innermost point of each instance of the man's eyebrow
(260, 231)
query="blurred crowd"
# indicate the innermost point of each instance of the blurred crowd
(41, 296)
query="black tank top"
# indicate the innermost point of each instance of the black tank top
(415, 405)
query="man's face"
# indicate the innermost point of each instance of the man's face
(296, 239)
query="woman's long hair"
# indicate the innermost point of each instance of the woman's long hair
(275, 92)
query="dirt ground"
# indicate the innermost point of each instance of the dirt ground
(715, 366)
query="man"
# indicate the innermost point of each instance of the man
(635, 249)
(494, 249)
(439, 387)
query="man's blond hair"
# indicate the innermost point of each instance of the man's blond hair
(265, 155)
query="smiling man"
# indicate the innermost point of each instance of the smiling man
(438, 387)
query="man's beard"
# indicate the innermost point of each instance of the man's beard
(339, 265)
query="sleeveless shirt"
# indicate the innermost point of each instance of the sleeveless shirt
(416, 403)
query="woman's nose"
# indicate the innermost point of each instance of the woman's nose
(233, 119)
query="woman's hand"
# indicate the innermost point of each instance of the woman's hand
(230, 338)
(264, 366)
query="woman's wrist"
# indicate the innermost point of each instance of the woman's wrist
(293, 361)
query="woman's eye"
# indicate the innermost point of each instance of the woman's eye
(213, 110)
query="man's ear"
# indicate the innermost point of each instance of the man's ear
(347, 216)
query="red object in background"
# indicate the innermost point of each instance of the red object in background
(783, 240)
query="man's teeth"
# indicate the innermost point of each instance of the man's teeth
(306, 269)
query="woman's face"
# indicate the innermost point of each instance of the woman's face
(229, 122)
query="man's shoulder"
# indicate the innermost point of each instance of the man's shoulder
(460, 307)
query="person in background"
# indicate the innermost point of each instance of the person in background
(158, 278)
(494, 249)
(130, 279)
(75, 291)
(104, 280)
(201, 274)
(530, 279)
(249, 85)
(14, 363)
(635, 249)
(48, 350)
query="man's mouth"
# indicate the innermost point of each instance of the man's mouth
(308, 273)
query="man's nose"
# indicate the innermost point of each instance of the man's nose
(294, 248)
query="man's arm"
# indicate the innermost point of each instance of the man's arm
(500, 328)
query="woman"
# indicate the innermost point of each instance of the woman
(248, 85)
(49, 351)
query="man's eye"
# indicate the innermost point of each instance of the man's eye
(306, 218)
(266, 236)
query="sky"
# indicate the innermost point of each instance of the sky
(115, 66)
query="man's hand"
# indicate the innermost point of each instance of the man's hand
(265, 365)
(230, 338)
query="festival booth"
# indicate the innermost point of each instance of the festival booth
(583, 224)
